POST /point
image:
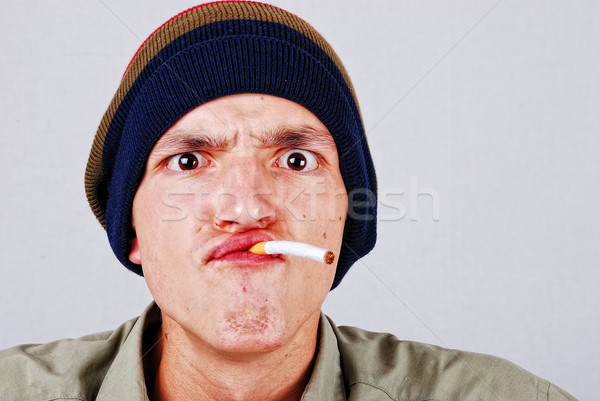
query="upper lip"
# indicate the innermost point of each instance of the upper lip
(238, 242)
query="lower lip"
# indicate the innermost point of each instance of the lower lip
(245, 258)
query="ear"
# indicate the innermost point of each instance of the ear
(134, 251)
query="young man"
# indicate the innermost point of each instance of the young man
(235, 124)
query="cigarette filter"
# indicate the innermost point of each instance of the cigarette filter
(295, 249)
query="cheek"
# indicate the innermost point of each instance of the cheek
(163, 212)
(158, 283)
(161, 220)
(319, 213)
(177, 203)
(176, 206)
(333, 230)
(318, 201)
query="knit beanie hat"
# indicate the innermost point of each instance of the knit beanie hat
(215, 50)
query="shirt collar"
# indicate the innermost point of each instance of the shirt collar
(326, 381)
(125, 378)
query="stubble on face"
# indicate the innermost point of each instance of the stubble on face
(230, 306)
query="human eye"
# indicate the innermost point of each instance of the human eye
(187, 161)
(298, 160)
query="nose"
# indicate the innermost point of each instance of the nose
(245, 196)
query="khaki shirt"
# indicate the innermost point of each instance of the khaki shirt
(352, 364)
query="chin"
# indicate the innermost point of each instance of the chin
(251, 330)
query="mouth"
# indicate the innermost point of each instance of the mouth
(235, 249)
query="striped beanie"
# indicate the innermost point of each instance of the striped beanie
(215, 50)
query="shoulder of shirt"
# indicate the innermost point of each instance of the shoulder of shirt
(406, 370)
(69, 369)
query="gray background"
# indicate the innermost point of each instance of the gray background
(490, 106)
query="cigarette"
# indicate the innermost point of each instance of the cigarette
(295, 249)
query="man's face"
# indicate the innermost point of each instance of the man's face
(235, 171)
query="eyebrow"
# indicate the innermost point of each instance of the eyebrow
(297, 137)
(190, 141)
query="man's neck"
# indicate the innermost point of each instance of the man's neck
(188, 372)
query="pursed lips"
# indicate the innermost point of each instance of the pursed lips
(237, 243)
